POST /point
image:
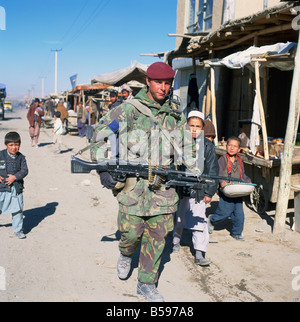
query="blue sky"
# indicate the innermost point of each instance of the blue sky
(96, 37)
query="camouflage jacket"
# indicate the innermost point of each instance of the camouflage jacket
(138, 140)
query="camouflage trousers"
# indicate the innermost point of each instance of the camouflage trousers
(150, 233)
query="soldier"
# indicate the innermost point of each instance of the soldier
(145, 214)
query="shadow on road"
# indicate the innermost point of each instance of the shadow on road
(32, 217)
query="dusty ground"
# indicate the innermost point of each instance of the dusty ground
(71, 248)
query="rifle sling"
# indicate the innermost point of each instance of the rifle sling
(90, 146)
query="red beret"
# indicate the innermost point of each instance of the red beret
(160, 70)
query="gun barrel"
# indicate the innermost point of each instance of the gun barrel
(187, 175)
(221, 178)
(81, 166)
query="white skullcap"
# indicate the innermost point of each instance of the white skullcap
(196, 114)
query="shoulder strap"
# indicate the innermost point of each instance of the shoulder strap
(143, 109)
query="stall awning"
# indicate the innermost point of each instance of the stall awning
(135, 72)
(280, 55)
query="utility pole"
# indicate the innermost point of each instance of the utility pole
(55, 84)
(29, 97)
(43, 87)
(32, 90)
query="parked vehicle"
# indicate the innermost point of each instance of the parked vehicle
(8, 106)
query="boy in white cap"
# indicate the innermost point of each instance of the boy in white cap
(190, 214)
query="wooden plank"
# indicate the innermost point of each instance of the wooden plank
(257, 33)
(213, 103)
(208, 95)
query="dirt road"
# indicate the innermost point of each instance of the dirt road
(71, 248)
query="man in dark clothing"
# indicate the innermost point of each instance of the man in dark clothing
(114, 100)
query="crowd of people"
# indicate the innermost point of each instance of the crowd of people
(146, 216)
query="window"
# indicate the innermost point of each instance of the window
(200, 15)
(192, 16)
(208, 15)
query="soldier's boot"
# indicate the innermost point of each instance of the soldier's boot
(123, 266)
(149, 291)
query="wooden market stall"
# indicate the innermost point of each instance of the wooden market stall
(241, 87)
(93, 95)
(262, 163)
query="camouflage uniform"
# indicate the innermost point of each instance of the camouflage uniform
(145, 216)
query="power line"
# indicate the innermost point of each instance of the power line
(73, 23)
(89, 20)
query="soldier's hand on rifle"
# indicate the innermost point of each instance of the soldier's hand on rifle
(107, 180)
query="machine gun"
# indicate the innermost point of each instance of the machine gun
(156, 176)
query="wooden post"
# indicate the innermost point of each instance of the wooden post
(261, 111)
(204, 106)
(266, 90)
(213, 103)
(90, 113)
(83, 98)
(208, 95)
(75, 103)
(288, 150)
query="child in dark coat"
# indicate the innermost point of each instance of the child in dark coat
(13, 168)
